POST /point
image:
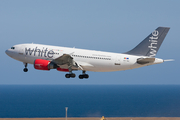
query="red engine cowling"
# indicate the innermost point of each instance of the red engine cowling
(63, 70)
(41, 64)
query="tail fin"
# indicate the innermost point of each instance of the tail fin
(151, 44)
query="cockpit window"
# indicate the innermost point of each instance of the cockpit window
(12, 47)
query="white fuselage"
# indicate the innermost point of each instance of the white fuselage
(90, 60)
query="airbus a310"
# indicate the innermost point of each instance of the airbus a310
(46, 57)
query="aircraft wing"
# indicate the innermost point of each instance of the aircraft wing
(65, 61)
(143, 61)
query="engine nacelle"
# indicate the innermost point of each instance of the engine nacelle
(41, 64)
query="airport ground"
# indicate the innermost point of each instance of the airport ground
(98, 118)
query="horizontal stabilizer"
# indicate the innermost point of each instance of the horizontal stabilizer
(143, 61)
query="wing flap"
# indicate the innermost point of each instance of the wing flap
(64, 59)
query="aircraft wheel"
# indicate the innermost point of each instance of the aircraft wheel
(73, 75)
(25, 69)
(86, 76)
(81, 77)
(70, 75)
(67, 76)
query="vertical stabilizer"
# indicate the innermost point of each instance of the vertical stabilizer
(151, 44)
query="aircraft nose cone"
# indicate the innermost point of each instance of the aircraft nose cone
(8, 52)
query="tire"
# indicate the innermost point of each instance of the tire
(73, 75)
(81, 77)
(25, 69)
(86, 76)
(67, 76)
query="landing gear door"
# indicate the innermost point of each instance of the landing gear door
(118, 60)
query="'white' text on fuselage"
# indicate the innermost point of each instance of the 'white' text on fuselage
(39, 52)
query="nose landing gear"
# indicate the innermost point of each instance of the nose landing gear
(25, 69)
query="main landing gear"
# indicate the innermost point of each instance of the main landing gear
(72, 63)
(84, 75)
(25, 69)
(72, 75)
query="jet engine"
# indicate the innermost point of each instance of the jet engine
(41, 64)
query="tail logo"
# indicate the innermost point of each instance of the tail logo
(153, 42)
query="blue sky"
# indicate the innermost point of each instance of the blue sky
(103, 25)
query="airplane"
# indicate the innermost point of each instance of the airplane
(46, 57)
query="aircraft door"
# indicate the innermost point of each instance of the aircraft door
(21, 50)
(21, 53)
(118, 60)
